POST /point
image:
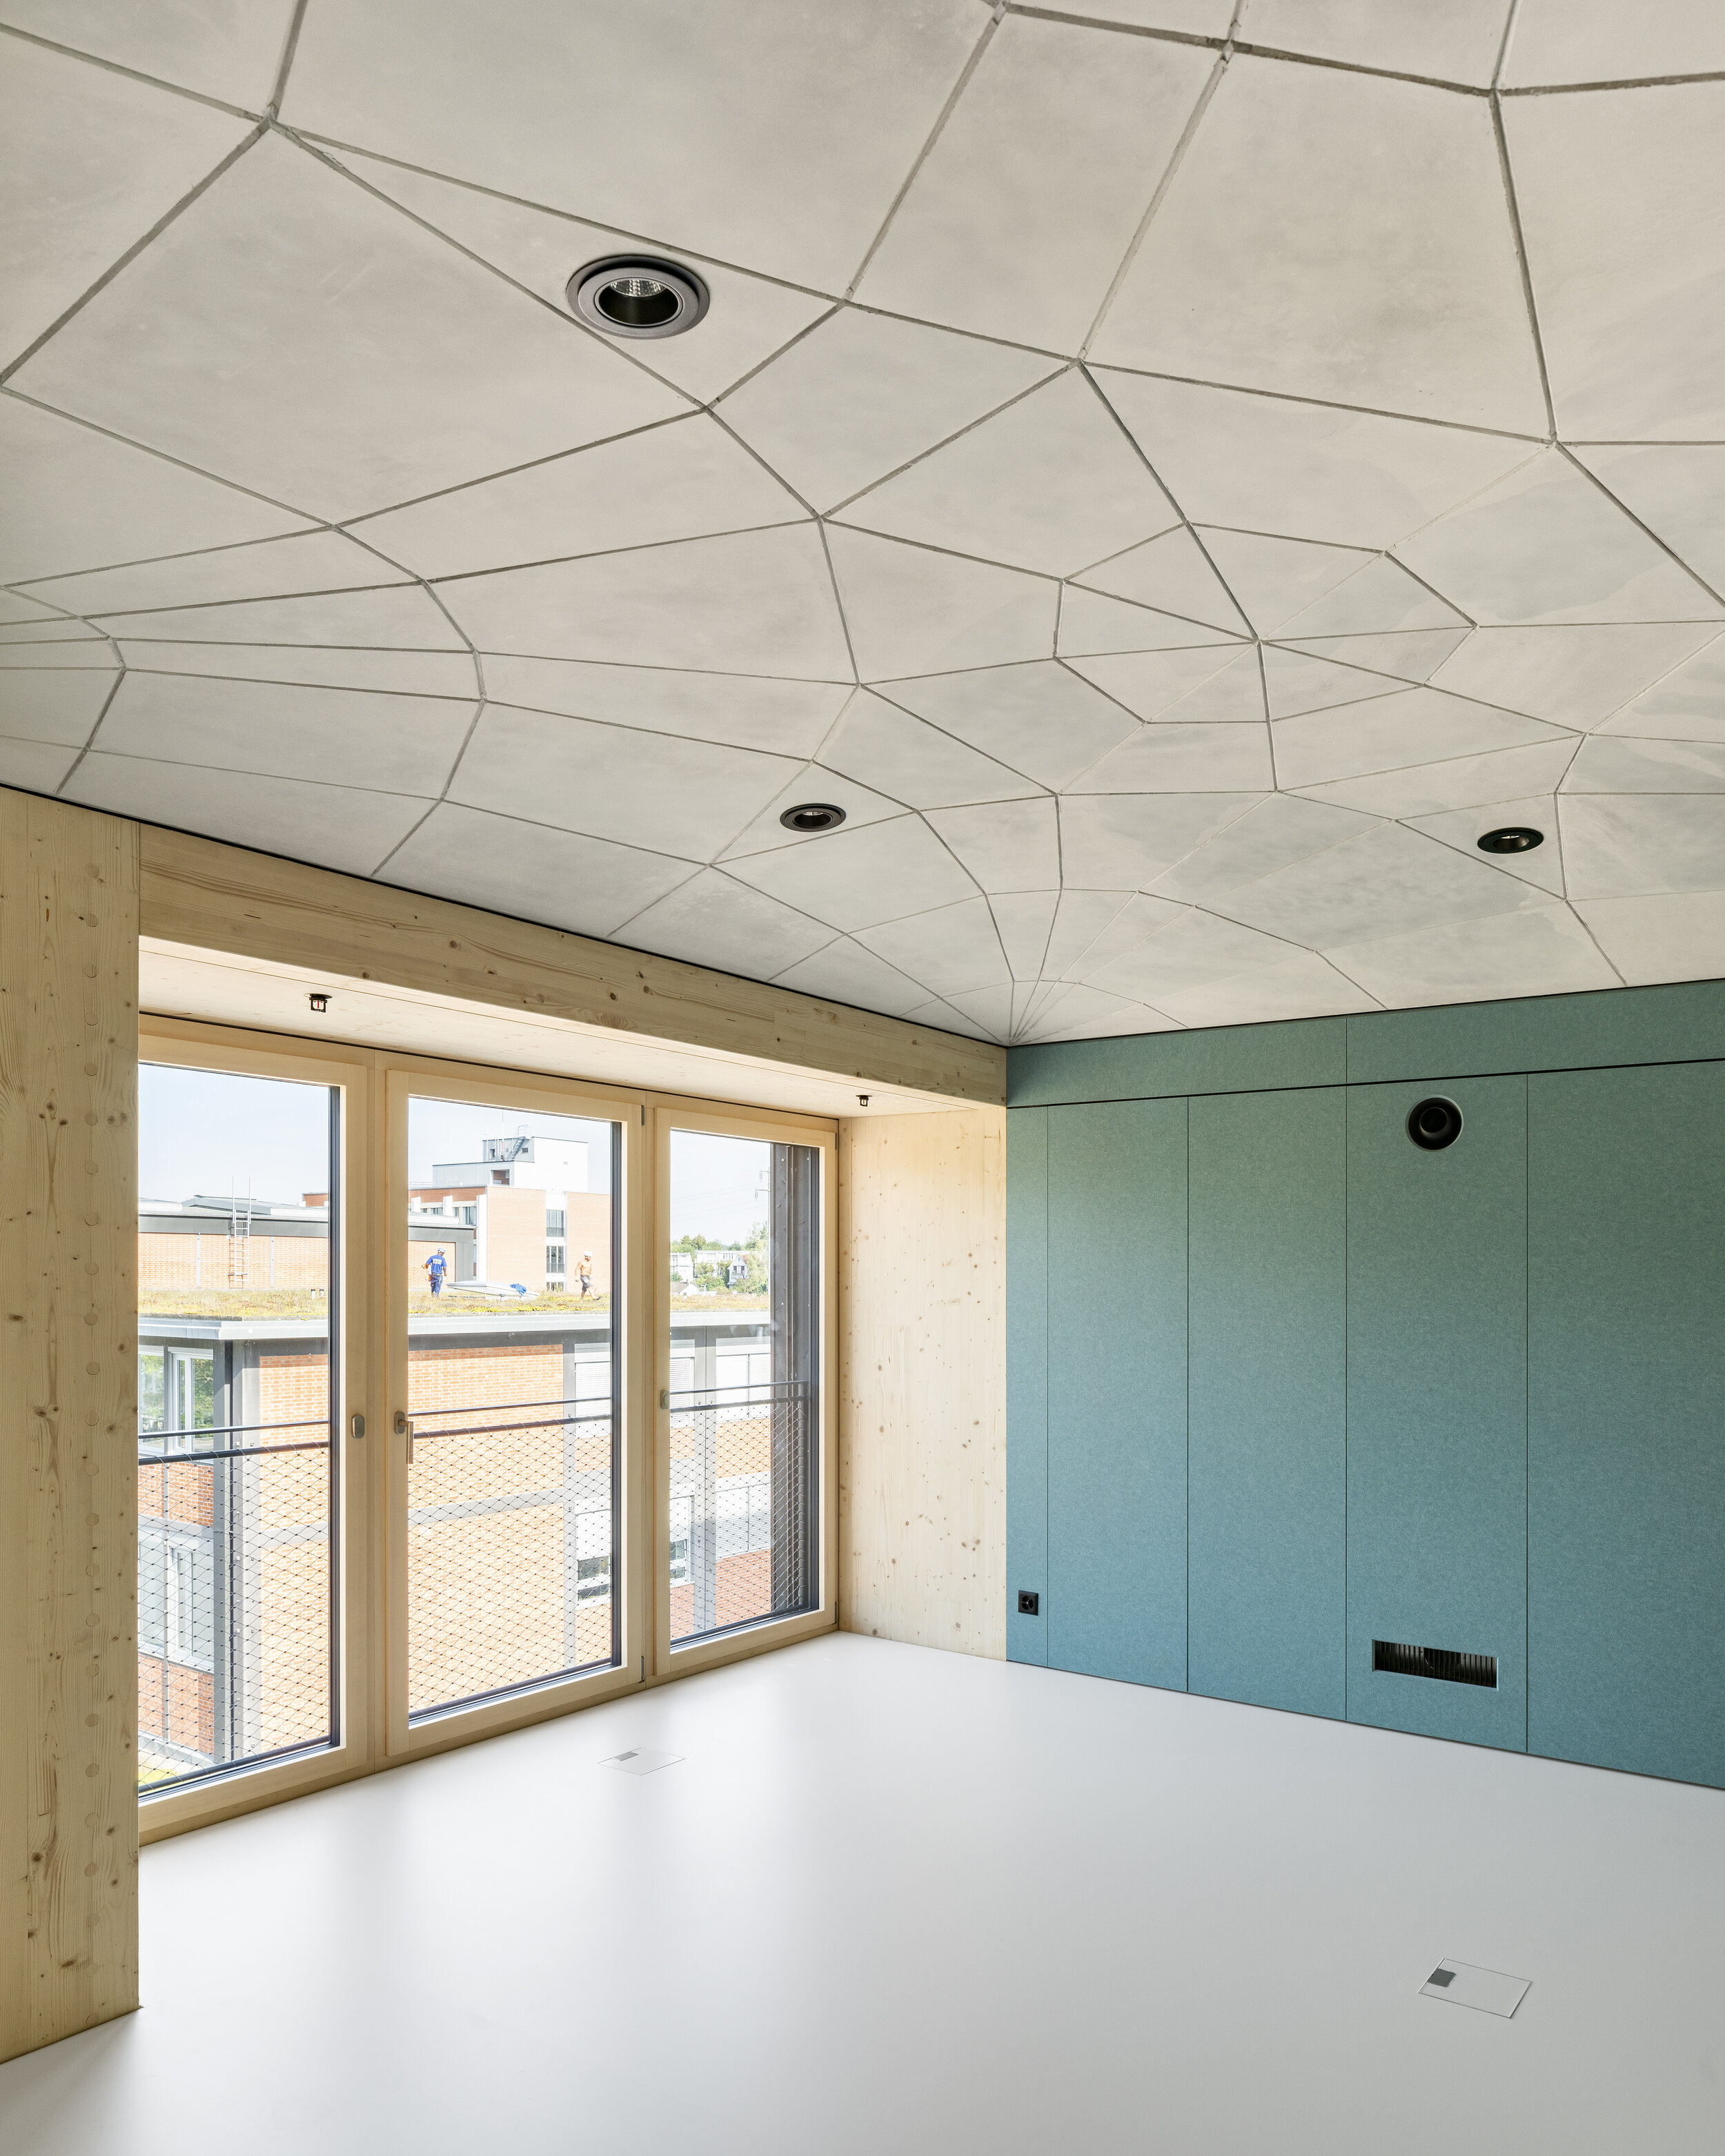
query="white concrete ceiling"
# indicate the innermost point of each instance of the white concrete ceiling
(1175, 493)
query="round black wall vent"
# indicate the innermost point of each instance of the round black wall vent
(638, 296)
(1433, 1124)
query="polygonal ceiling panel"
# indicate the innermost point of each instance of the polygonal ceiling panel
(1175, 474)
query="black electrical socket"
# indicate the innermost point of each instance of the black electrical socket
(1029, 1605)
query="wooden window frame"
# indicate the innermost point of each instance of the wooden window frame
(190, 1045)
(671, 1660)
(481, 1087)
(375, 1732)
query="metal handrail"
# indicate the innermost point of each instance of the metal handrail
(562, 1400)
(236, 1428)
(234, 1452)
(777, 1385)
(492, 1429)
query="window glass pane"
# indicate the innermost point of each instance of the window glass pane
(512, 1392)
(745, 1362)
(236, 1587)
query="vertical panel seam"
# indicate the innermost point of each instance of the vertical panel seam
(1346, 1315)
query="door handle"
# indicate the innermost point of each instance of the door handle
(405, 1428)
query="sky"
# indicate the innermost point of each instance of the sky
(211, 1133)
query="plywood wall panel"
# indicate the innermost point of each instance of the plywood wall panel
(69, 895)
(922, 1426)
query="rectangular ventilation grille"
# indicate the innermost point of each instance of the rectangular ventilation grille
(1443, 1663)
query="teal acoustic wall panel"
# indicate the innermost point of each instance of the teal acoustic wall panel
(1268, 1605)
(1027, 1380)
(1437, 1415)
(1674, 1021)
(1117, 1390)
(1308, 1051)
(1626, 1438)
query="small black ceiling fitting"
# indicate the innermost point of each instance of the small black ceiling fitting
(813, 816)
(320, 1003)
(1511, 839)
(638, 296)
(1433, 1124)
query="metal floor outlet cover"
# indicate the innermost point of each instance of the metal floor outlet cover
(1487, 1990)
(641, 1762)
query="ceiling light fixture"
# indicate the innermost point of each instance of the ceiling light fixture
(638, 296)
(813, 816)
(1511, 839)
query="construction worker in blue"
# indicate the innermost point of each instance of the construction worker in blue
(436, 1265)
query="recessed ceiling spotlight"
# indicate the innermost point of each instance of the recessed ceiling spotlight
(638, 296)
(1512, 839)
(813, 816)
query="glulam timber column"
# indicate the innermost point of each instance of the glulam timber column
(69, 1062)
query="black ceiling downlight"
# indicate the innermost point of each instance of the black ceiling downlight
(638, 296)
(813, 816)
(1511, 839)
(1433, 1124)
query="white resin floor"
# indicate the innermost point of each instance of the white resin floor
(897, 1901)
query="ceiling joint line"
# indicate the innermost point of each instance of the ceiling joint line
(945, 734)
(290, 45)
(312, 148)
(945, 113)
(1212, 84)
(995, 411)
(310, 137)
(1509, 24)
(1139, 451)
(696, 869)
(826, 555)
(1521, 247)
(181, 464)
(1586, 925)
(90, 739)
(345, 524)
(1269, 721)
(1318, 403)
(1425, 584)
(711, 407)
(1624, 82)
(132, 75)
(1153, 31)
(957, 330)
(132, 253)
(610, 553)
(1664, 546)
(1333, 66)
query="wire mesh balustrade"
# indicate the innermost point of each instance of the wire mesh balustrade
(744, 1505)
(235, 1531)
(510, 1548)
